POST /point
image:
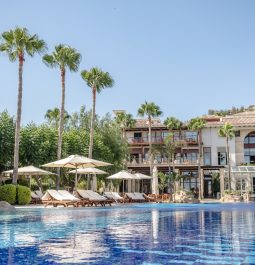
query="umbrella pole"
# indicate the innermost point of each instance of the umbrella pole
(76, 179)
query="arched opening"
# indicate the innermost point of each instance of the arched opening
(249, 148)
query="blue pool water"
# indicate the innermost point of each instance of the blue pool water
(147, 234)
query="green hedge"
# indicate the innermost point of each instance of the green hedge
(15, 194)
(23, 195)
(8, 193)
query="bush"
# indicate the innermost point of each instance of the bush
(23, 195)
(8, 193)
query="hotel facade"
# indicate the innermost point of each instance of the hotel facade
(214, 158)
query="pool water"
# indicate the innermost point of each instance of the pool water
(147, 234)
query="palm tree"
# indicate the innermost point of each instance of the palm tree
(125, 121)
(227, 131)
(170, 149)
(197, 124)
(63, 57)
(151, 110)
(97, 80)
(53, 116)
(173, 123)
(17, 43)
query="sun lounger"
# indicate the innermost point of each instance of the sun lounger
(140, 197)
(114, 196)
(39, 193)
(93, 197)
(53, 197)
(150, 197)
(135, 197)
(71, 197)
(35, 199)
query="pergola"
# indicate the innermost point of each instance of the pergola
(242, 172)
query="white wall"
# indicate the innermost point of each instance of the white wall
(211, 139)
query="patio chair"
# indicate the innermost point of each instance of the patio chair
(53, 197)
(93, 198)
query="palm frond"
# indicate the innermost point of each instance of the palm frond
(96, 78)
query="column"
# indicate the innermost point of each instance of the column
(202, 183)
(222, 176)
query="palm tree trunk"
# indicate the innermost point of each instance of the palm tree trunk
(200, 195)
(61, 124)
(150, 145)
(91, 140)
(229, 168)
(170, 180)
(18, 121)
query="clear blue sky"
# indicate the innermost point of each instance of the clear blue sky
(185, 55)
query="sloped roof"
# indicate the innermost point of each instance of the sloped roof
(243, 119)
(143, 123)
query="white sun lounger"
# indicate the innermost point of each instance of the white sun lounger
(53, 197)
(93, 197)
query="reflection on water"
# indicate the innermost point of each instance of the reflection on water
(139, 234)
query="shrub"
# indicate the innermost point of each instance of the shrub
(8, 193)
(23, 195)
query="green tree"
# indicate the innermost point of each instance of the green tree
(197, 124)
(38, 144)
(7, 130)
(97, 80)
(163, 181)
(151, 110)
(125, 121)
(63, 57)
(17, 43)
(227, 131)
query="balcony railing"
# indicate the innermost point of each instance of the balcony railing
(159, 139)
(143, 162)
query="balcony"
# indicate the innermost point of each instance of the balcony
(163, 162)
(160, 140)
(145, 140)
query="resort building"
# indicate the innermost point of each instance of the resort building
(213, 164)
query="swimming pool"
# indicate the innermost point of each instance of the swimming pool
(147, 234)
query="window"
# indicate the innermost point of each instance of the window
(237, 133)
(207, 156)
(249, 148)
(222, 156)
(165, 134)
(241, 185)
(189, 181)
(190, 156)
(191, 136)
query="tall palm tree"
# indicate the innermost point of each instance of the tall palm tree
(63, 57)
(174, 124)
(125, 121)
(97, 80)
(227, 131)
(17, 43)
(151, 110)
(197, 124)
(171, 148)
